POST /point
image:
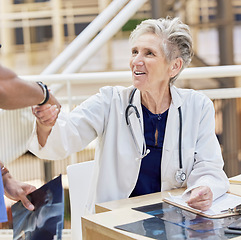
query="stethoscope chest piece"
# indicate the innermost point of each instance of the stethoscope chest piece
(180, 176)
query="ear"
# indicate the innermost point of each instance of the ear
(176, 66)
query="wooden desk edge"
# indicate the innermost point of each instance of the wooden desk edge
(100, 209)
(100, 232)
(101, 226)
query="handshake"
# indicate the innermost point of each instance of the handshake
(46, 114)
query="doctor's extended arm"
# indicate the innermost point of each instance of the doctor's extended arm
(70, 132)
(46, 117)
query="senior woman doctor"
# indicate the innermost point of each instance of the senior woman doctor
(160, 49)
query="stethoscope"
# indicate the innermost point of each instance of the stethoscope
(180, 175)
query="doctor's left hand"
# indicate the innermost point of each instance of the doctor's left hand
(201, 198)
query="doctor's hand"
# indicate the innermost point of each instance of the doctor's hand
(53, 101)
(46, 116)
(201, 198)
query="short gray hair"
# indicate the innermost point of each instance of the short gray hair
(177, 40)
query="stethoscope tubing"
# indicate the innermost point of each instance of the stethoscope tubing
(180, 137)
(180, 175)
(130, 105)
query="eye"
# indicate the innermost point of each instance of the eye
(134, 52)
(150, 53)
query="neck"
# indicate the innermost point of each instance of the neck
(157, 101)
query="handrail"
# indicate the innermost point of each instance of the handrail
(222, 93)
(124, 77)
(211, 72)
(194, 73)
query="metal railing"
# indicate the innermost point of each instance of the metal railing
(124, 78)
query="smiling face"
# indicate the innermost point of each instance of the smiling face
(150, 70)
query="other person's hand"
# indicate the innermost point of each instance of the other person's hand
(16, 190)
(201, 198)
(53, 101)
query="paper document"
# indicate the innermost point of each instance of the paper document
(224, 202)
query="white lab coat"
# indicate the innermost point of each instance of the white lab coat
(117, 159)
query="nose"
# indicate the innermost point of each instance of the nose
(138, 60)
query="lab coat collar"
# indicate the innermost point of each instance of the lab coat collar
(177, 99)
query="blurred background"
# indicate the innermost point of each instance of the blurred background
(77, 46)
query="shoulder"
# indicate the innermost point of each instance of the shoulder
(192, 100)
(118, 92)
(109, 95)
(115, 89)
(193, 96)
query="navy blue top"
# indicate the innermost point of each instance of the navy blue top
(149, 180)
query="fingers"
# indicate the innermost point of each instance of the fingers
(53, 101)
(23, 196)
(201, 205)
(201, 198)
(27, 204)
(16, 191)
(46, 114)
(28, 188)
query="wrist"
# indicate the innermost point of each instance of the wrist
(45, 92)
(42, 127)
(43, 133)
(4, 170)
(5, 175)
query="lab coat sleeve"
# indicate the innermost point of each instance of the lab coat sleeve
(74, 131)
(208, 161)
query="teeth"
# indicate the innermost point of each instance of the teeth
(139, 73)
